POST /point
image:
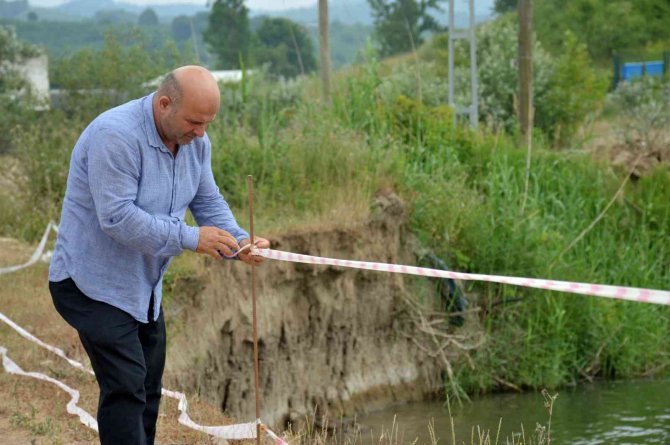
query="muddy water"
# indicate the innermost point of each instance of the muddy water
(613, 413)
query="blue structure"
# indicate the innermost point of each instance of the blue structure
(632, 70)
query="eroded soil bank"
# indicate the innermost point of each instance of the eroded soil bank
(332, 341)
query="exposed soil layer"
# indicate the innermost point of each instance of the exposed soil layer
(333, 341)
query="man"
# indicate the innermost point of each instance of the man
(133, 173)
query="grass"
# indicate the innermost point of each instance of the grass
(327, 431)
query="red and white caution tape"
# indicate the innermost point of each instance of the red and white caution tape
(277, 440)
(233, 432)
(237, 431)
(598, 290)
(37, 254)
(71, 407)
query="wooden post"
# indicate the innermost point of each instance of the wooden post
(525, 67)
(324, 50)
(526, 87)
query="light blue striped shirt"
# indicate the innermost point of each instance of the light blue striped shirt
(123, 214)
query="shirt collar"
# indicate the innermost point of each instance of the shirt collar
(153, 138)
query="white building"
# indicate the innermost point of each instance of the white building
(35, 70)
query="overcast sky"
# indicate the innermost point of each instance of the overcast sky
(252, 4)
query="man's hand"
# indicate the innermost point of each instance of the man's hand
(246, 256)
(215, 242)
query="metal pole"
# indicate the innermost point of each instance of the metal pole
(250, 187)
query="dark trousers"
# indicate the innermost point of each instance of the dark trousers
(128, 358)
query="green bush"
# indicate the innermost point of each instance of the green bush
(94, 80)
(17, 105)
(641, 112)
(575, 92)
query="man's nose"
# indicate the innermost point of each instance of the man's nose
(199, 130)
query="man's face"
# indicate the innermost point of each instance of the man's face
(184, 120)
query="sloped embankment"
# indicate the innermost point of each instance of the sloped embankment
(331, 340)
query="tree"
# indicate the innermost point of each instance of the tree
(181, 28)
(12, 51)
(400, 24)
(148, 18)
(14, 102)
(605, 26)
(227, 34)
(285, 46)
(113, 17)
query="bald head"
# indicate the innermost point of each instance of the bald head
(187, 100)
(192, 83)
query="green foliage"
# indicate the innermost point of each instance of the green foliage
(62, 39)
(96, 80)
(12, 49)
(567, 89)
(188, 32)
(114, 17)
(309, 169)
(148, 17)
(228, 34)
(605, 26)
(466, 190)
(497, 72)
(641, 111)
(346, 41)
(504, 6)
(575, 92)
(16, 103)
(285, 46)
(46, 143)
(399, 24)
(258, 100)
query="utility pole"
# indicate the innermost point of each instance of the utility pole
(324, 50)
(526, 86)
(468, 34)
(525, 68)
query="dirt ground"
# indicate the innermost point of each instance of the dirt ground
(33, 412)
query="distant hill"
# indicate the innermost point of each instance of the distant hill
(358, 11)
(348, 12)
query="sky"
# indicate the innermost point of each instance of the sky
(251, 4)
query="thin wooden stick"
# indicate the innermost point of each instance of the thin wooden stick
(250, 187)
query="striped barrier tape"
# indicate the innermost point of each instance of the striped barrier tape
(37, 254)
(237, 431)
(71, 407)
(233, 432)
(599, 290)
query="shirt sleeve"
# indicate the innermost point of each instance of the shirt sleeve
(208, 206)
(114, 168)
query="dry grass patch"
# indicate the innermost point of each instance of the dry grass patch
(33, 411)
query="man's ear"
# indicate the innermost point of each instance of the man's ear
(164, 102)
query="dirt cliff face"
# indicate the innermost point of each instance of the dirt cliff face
(331, 340)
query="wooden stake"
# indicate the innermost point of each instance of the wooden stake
(324, 50)
(250, 187)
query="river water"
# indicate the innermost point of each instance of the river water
(613, 413)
